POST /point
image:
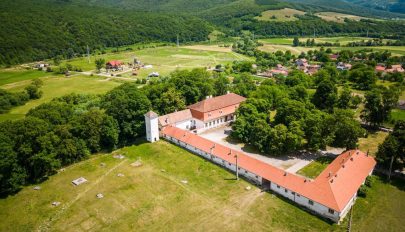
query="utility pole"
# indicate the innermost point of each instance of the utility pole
(392, 161)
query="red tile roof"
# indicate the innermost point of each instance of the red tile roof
(216, 103)
(176, 117)
(114, 63)
(333, 192)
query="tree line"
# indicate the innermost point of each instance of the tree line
(8, 100)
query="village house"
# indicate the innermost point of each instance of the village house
(333, 57)
(115, 65)
(397, 68)
(279, 70)
(343, 66)
(330, 195)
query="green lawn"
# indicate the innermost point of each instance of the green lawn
(56, 87)
(11, 75)
(382, 209)
(315, 168)
(153, 198)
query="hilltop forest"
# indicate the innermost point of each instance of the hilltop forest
(43, 29)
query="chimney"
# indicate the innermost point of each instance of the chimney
(330, 174)
(331, 180)
(285, 173)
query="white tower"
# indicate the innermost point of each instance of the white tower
(152, 126)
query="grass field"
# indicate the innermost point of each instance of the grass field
(8, 76)
(153, 198)
(316, 167)
(167, 59)
(282, 15)
(56, 87)
(337, 17)
(284, 44)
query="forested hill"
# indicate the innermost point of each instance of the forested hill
(37, 30)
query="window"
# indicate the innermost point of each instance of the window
(257, 177)
(229, 163)
(285, 190)
(298, 195)
(331, 211)
(310, 202)
(206, 124)
(278, 186)
(210, 123)
(238, 168)
(246, 172)
(293, 193)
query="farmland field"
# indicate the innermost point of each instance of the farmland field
(284, 44)
(337, 17)
(153, 197)
(286, 14)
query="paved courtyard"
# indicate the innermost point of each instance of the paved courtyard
(290, 163)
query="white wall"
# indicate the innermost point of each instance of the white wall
(299, 199)
(152, 129)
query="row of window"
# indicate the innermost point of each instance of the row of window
(212, 123)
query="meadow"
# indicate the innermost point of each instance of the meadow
(166, 59)
(282, 15)
(57, 86)
(155, 197)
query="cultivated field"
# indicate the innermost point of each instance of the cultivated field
(284, 44)
(283, 15)
(153, 197)
(337, 17)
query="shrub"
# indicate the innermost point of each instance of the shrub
(362, 191)
(370, 181)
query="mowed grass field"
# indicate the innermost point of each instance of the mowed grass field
(167, 59)
(57, 86)
(153, 197)
(282, 15)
